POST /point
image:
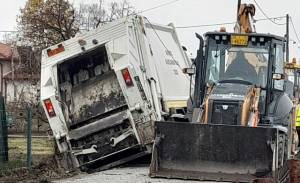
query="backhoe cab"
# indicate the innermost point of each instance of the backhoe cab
(241, 124)
(246, 68)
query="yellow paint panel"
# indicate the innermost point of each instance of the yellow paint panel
(239, 40)
(176, 104)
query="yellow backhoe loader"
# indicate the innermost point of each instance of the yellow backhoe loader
(242, 122)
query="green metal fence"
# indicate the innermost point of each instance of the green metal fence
(29, 135)
(15, 156)
(21, 148)
(3, 133)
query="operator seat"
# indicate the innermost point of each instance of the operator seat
(242, 69)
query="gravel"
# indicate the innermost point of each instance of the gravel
(134, 174)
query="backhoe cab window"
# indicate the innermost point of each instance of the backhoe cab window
(278, 64)
(231, 64)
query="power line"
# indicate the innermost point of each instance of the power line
(271, 18)
(262, 11)
(162, 42)
(158, 6)
(8, 31)
(295, 31)
(142, 11)
(226, 23)
(205, 25)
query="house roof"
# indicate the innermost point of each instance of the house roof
(5, 52)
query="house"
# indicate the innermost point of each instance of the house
(7, 59)
(20, 83)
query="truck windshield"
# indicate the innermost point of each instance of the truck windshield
(237, 64)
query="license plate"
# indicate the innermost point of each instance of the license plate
(239, 40)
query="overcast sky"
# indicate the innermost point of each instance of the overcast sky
(191, 12)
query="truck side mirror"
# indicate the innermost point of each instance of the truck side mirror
(189, 71)
(278, 76)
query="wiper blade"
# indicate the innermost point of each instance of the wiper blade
(236, 81)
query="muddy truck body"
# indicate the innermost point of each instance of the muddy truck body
(103, 90)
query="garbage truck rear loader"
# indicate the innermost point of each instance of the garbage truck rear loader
(103, 90)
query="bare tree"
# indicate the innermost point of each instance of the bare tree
(49, 23)
(53, 21)
(95, 15)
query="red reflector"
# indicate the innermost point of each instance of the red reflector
(49, 107)
(127, 77)
(60, 48)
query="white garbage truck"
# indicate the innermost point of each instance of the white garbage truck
(103, 90)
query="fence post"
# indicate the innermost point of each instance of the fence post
(29, 135)
(3, 133)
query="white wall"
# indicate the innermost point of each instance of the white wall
(6, 66)
(25, 91)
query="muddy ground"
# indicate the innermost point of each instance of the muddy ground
(44, 166)
(44, 172)
(134, 172)
(124, 174)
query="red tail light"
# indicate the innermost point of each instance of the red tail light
(50, 108)
(127, 78)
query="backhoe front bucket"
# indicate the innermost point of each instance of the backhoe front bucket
(212, 152)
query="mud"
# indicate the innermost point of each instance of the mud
(44, 172)
(294, 167)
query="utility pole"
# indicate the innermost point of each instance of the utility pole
(287, 37)
(238, 9)
(237, 27)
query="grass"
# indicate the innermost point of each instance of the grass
(44, 168)
(41, 148)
